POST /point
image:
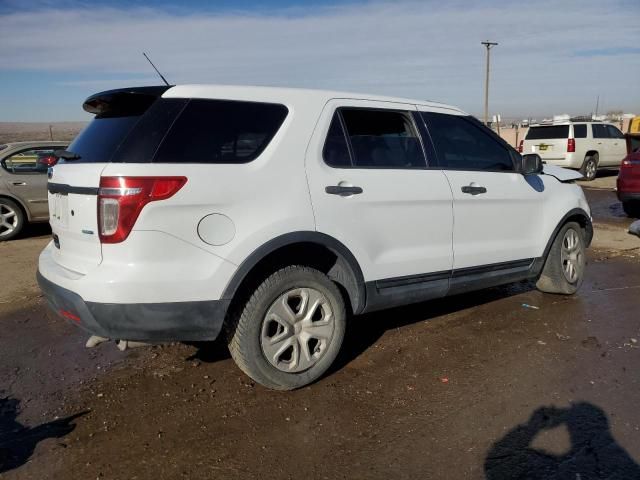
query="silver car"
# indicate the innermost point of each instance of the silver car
(23, 184)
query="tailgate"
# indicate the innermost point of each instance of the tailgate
(73, 214)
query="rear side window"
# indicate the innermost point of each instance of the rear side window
(382, 139)
(548, 132)
(580, 131)
(221, 131)
(464, 145)
(614, 132)
(600, 131)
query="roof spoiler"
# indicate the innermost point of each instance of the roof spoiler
(123, 101)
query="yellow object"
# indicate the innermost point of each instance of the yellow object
(634, 126)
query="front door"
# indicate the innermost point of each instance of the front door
(371, 190)
(497, 211)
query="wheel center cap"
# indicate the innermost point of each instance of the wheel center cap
(297, 328)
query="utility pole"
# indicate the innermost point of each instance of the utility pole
(597, 105)
(488, 45)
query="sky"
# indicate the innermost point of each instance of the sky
(553, 56)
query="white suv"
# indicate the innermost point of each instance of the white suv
(278, 213)
(586, 146)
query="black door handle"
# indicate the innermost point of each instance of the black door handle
(342, 190)
(473, 190)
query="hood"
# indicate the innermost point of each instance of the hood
(562, 174)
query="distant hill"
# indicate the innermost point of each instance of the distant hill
(20, 132)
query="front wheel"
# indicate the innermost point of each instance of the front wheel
(632, 208)
(564, 267)
(290, 330)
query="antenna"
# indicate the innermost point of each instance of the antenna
(157, 71)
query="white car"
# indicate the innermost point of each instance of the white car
(278, 213)
(586, 146)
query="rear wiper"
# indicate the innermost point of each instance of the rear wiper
(67, 155)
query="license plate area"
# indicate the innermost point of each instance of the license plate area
(59, 210)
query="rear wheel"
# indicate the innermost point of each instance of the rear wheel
(290, 330)
(11, 219)
(589, 168)
(564, 267)
(632, 208)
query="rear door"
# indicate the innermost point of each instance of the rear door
(497, 211)
(549, 141)
(618, 145)
(26, 178)
(74, 183)
(371, 189)
(603, 143)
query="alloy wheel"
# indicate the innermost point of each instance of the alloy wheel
(571, 256)
(8, 220)
(297, 330)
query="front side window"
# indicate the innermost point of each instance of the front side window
(614, 132)
(580, 131)
(36, 160)
(600, 131)
(463, 145)
(382, 139)
(221, 131)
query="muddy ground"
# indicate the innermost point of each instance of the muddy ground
(473, 386)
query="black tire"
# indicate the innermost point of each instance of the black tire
(247, 332)
(11, 219)
(589, 169)
(554, 277)
(632, 208)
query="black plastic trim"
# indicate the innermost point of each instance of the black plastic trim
(64, 189)
(99, 103)
(351, 279)
(392, 292)
(148, 322)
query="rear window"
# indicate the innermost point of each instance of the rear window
(221, 131)
(544, 133)
(580, 131)
(101, 138)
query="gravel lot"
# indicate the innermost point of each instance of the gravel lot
(473, 386)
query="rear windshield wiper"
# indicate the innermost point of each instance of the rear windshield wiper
(67, 155)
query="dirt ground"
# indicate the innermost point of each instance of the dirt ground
(474, 386)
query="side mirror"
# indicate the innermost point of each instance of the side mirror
(531, 164)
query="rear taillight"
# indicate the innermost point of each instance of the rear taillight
(571, 145)
(520, 146)
(121, 199)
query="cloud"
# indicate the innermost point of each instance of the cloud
(418, 49)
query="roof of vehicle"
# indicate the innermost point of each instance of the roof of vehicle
(568, 122)
(287, 95)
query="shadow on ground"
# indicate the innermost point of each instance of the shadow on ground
(593, 453)
(17, 441)
(365, 330)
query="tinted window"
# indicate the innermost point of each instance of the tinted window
(101, 138)
(580, 131)
(463, 144)
(141, 144)
(336, 151)
(35, 160)
(547, 132)
(382, 139)
(600, 131)
(221, 131)
(614, 132)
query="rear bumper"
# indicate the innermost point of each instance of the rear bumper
(150, 322)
